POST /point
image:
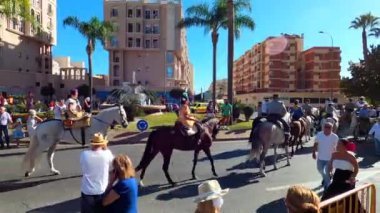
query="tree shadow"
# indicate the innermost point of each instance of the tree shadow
(151, 189)
(135, 139)
(66, 206)
(277, 206)
(13, 185)
(228, 155)
(233, 181)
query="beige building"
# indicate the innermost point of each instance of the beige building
(280, 65)
(147, 47)
(26, 51)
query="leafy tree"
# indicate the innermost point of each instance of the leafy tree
(365, 77)
(47, 92)
(84, 90)
(365, 22)
(151, 95)
(93, 30)
(15, 8)
(177, 93)
(214, 17)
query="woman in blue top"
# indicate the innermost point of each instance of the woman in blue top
(122, 196)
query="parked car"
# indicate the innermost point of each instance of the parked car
(199, 108)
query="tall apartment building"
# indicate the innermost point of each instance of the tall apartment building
(26, 51)
(279, 64)
(147, 47)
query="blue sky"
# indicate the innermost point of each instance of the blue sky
(272, 18)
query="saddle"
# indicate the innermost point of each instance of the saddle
(190, 135)
(77, 120)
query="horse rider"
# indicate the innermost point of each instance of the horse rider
(74, 109)
(331, 112)
(296, 111)
(276, 111)
(361, 102)
(364, 113)
(259, 109)
(264, 107)
(350, 106)
(307, 108)
(186, 120)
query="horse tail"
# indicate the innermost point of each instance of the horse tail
(31, 155)
(147, 152)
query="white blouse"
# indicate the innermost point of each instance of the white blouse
(343, 165)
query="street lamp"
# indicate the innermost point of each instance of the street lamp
(332, 45)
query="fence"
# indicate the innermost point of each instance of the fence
(359, 200)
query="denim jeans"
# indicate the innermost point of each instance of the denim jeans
(377, 146)
(91, 203)
(4, 129)
(323, 170)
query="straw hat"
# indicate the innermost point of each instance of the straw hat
(99, 139)
(210, 190)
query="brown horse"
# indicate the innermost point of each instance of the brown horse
(297, 131)
(166, 139)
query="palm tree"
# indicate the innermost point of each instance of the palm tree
(214, 17)
(94, 30)
(365, 22)
(375, 32)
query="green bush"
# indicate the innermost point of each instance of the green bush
(40, 107)
(248, 112)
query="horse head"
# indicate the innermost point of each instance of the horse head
(122, 119)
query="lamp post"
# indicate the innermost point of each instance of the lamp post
(331, 50)
(231, 29)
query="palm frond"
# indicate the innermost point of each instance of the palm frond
(243, 21)
(200, 10)
(72, 21)
(191, 21)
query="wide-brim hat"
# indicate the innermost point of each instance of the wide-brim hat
(210, 190)
(99, 139)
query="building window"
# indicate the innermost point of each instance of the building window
(38, 84)
(147, 44)
(50, 9)
(116, 82)
(156, 29)
(50, 24)
(130, 13)
(14, 23)
(116, 70)
(169, 72)
(38, 18)
(138, 28)
(138, 42)
(130, 27)
(155, 43)
(169, 57)
(46, 63)
(147, 14)
(116, 57)
(114, 12)
(114, 42)
(155, 14)
(138, 13)
(130, 42)
(148, 29)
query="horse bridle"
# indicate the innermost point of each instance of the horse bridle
(112, 124)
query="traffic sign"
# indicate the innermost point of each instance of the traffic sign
(142, 125)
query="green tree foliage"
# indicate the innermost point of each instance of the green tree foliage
(365, 78)
(176, 93)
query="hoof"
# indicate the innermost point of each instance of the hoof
(275, 168)
(288, 164)
(194, 177)
(263, 174)
(215, 175)
(141, 183)
(55, 172)
(27, 174)
(173, 184)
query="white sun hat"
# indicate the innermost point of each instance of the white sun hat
(210, 190)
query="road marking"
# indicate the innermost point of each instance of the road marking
(362, 176)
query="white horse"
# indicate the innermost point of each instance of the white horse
(49, 133)
(309, 127)
(268, 134)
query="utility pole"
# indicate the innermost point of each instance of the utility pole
(231, 29)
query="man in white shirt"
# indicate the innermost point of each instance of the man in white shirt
(325, 144)
(95, 164)
(375, 131)
(5, 119)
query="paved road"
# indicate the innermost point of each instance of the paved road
(44, 193)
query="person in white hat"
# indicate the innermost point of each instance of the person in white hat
(210, 197)
(95, 165)
(325, 144)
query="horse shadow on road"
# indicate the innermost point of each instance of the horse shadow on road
(228, 155)
(66, 206)
(367, 152)
(252, 164)
(12, 185)
(232, 181)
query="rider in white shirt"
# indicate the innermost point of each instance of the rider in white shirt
(361, 102)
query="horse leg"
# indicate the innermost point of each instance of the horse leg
(287, 154)
(50, 157)
(209, 156)
(262, 162)
(165, 166)
(195, 160)
(145, 166)
(275, 157)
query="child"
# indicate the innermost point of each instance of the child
(32, 122)
(18, 133)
